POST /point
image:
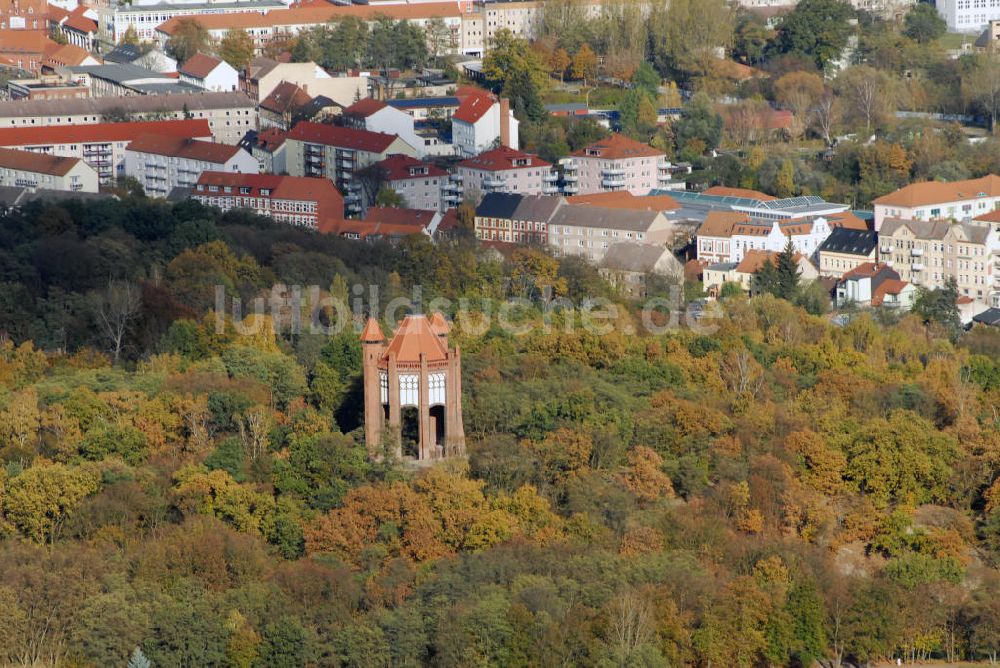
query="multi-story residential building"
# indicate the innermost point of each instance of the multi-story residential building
(516, 219)
(209, 72)
(590, 231)
(423, 185)
(162, 162)
(481, 20)
(282, 107)
(336, 153)
(377, 116)
(846, 249)
(934, 200)
(229, 115)
(295, 200)
(263, 28)
(968, 15)
(726, 236)
(615, 163)
(268, 147)
(100, 145)
(24, 169)
(506, 170)
(928, 252)
(481, 123)
(144, 17)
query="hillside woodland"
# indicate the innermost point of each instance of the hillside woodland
(779, 491)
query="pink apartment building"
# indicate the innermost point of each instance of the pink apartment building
(615, 163)
(506, 170)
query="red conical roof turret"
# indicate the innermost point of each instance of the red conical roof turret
(372, 333)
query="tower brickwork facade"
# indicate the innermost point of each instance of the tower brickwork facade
(417, 372)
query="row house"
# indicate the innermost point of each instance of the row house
(506, 170)
(295, 200)
(229, 115)
(744, 272)
(933, 200)
(147, 16)
(336, 153)
(263, 75)
(516, 219)
(726, 236)
(846, 249)
(423, 185)
(100, 145)
(613, 164)
(162, 162)
(24, 169)
(928, 252)
(590, 231)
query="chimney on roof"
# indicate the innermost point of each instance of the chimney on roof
(505, 122)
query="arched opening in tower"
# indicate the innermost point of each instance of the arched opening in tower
(410, 432)
(437, 424)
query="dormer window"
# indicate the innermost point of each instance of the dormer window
(265, 192)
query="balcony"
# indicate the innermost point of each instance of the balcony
(457, 178)
(550, 190)
(916, 266)
(352, 198)
(452, 199)
(570, 190)
(664, 178)
(885, 249)
(917, 252)
(551, 177)
(568, 165)
(570, 178)
(609, 173)
(664, 166)
(613, 183)
(494, 182)
(451, 187)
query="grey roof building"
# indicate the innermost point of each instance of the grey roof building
(851, 242)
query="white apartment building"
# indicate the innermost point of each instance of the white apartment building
(969, 16)
(162, 163)
(927, 252)
(24, 169)
(146, 16)
(506, 170)
(263, 75)
(726, 236)
(102, 145)
(934, 200)
(481, 122)
(376, 116)
(229, 115)
(615, 163)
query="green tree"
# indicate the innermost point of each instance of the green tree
(924, 24)
(509, 56)
(236, 48)
(130, 36)
(386, 196)
(189, 37)
(817, 29)
(699, 121)
(939, 306)
(685, 34)
(40, 500)
(584, 64)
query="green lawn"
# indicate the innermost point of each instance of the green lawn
(955, 40)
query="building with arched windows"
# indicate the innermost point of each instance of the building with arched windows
(413, 390)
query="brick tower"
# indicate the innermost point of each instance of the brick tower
(416, 370)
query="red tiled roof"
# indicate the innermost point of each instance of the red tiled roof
(65, 55)
(329, 201)
(285, 98)
(936, 192)
(183, 147)
(474, 106)
(270, 139)
(846, 219)
(79, 21)
(36, 162)
(618, 147)
(399, 167)
(364, 229)
(501, 159)
(890, 286)
(200, 65)
(366, 107)
(24, 41)
(415, 338)
(991, 217)
(372, 333)
(56, 14)
(721, 223)
(623, 199)
(864, 270)
(351, 138)
(726, 191)
(319, 14)
(417, 219)
(754, 260)
(101, 132)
